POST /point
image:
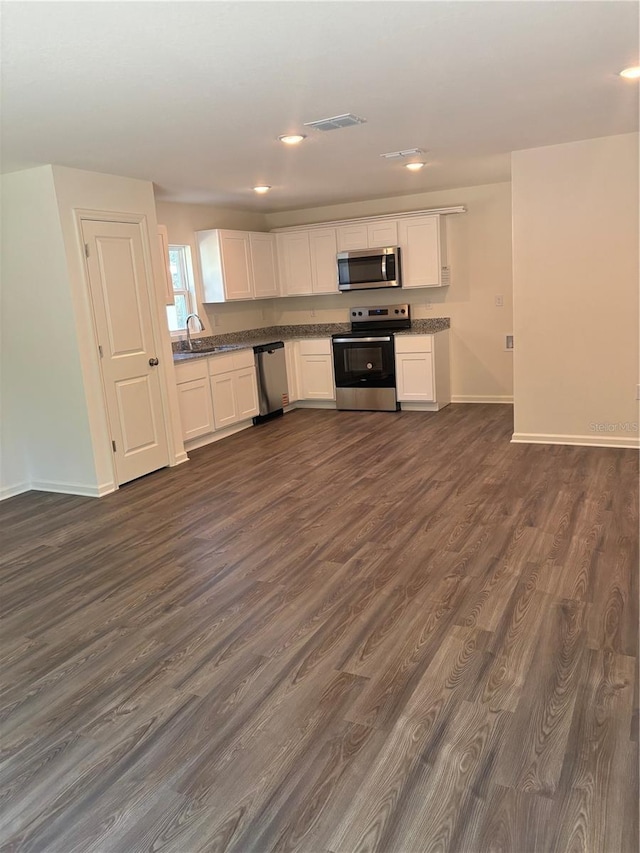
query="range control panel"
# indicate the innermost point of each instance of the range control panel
(381, 314)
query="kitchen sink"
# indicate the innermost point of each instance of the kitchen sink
(208, 350)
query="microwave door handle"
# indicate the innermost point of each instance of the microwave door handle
(384, 268)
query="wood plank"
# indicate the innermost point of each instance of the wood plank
(342, 631)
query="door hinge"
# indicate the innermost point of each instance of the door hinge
(100, 350)
(113, 444)
(86, 250)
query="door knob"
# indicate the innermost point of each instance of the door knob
(153, 362)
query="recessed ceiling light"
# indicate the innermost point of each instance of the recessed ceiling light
(264, 189)
(292, 139)
(632, 73)
(414, 167)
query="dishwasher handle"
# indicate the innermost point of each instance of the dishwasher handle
(268, 348)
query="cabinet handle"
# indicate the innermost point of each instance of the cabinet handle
(153, 362)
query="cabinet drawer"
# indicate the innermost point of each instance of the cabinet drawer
(187, 371)
(414, 343)
(227, 361)
(243, 358)
(221, 364)
(315, 346)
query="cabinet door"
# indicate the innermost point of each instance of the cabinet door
(291, 359)
(246, 393)
(324, 266)
(352, 237)
(382, 233)
(167, 290)
(414, 377)
(196, 413)
(294, 262)
(236, 264)
(421, 261)
(263, 265)
(316, 377)
(225, 411)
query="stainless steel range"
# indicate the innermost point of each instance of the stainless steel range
(364, 358)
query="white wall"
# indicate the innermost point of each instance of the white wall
(182, 221)
(54, 429)
(45, 440)
(575, 242)
(480, 243)
(79, 190)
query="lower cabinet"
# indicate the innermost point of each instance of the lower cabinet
(234, 397)
(315, 369)
(194, 399)
(215, 393)
(422, 370)
(291, 359)
(233, 387)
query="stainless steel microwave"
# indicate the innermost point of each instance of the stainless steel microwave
(369, 269)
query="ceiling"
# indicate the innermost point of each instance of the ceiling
(193, 95)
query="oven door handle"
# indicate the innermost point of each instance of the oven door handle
(361, 340)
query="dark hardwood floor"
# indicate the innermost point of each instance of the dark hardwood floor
(339, 631)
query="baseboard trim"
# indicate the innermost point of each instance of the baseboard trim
(211, 437)
(479, 398)
(315, 404)
(576, 440)
(422, 407)
(178, 459)
(78, 489)
(15, 489)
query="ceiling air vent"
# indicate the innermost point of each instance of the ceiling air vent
(407, 152)
(335, 122)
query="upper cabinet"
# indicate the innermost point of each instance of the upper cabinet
(367, 235)
(307, 261)
(240, 265)
(424, 259)
(237, 265)
(264, 265)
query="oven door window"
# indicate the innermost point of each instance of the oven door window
(359, 364)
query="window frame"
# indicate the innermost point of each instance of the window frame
(190, 292)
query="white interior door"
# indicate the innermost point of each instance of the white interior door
(120, 282)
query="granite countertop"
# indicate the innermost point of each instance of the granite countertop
(216, 344)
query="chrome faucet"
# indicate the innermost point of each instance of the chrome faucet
(189, 341)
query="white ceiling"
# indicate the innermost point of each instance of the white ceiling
(192, 95)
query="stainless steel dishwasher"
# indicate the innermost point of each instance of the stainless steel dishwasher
(271, 373)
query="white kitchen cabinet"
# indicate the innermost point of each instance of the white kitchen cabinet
(424, 258)
(294, 263)
(382, 233)
(307, 262)
(367, 235)
(264, 267)
(225, 263)
(291, 361)
(194, 399)
(324, 266)
(234, 390)
(167, 290)
(237, 265)
(315, 369)
(422, 370)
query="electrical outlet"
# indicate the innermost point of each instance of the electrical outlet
(499, 300)
(508, 343)
(637, 392)
(428, 306)
(216, 320)
(312, 313)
